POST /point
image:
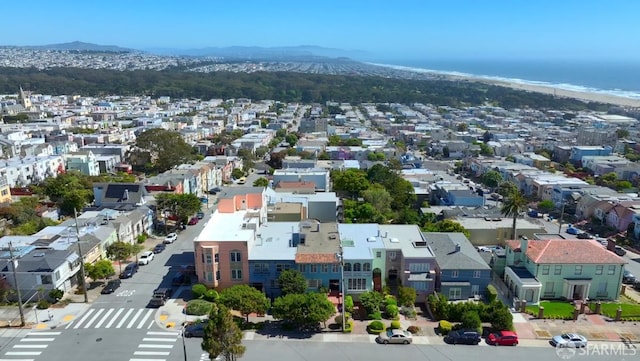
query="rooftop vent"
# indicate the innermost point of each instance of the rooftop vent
(394, 240)
(371, 239)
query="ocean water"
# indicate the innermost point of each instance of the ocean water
(615, 77)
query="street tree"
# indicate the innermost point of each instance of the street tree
(304, 310)
(379, 198)
(292, 281)
(506, 188)
(261, 182)
(546, 205)
(514, 204)
(245, 299)
(99, 270)
(181, 205)
(448, 226)
(291, 139)
(350, 181)
(121, 251)
(491, 179)
(222, 336)
(237, 173)
(167, 148)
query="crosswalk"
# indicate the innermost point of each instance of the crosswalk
(30, 346)
(156, 346)
(114, 318)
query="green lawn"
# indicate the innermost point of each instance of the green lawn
(630, 311)
(562, 310)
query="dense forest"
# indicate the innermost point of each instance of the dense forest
(283, 86)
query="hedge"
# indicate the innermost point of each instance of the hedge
(395, 325)
(198, 307)
(375, 327)
(492, 293)
(348, 327)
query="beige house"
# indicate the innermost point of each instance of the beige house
(495, 231)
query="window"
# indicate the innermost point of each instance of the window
(347, 267)
(602, 288)
(419, 267)
(325, 268)
(236, 274)
(392, 255)
(313, 268)
(454, 274)
(208, 258)
(599, 269)
(557, 270)
(202, 257)
(475, 290)
(366, 267)
(209, 276)
(216, 258)
(578, 270)
(378, 254)
(356, 267)
(314, 283)
(57, 275)
(357, 284)
(611, 270)
(45, 279)
(418, 285)
(545, 269)
(335, 268)
(281, 267)
(476, 274)
(301, 267)
(261, 268)
(274, 284)
(235, 256)
(548, 287)
(455, 293)
(217, 275)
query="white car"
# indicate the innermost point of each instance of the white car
(573, 340)
(170, 238)
(145, 258)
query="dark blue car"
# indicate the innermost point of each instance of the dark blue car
(129, 270)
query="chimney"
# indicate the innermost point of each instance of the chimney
(524, 245)
(457, 247)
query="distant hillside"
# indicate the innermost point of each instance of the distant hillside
(256, 52)
(81, 46)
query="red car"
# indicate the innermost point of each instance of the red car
(503, 338)
(193, 221)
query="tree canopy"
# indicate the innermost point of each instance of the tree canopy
(245, 299)
(99, 270)
(303, 309)
(181, 205)
(512, 206)
(167, 149)
(292, 281)
(222, 336)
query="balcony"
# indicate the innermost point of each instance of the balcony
(358, 274)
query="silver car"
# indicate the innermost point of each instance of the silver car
(395, 336)
(573, 340)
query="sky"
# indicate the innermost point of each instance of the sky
(390, 29)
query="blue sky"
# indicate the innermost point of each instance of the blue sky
(420, 29)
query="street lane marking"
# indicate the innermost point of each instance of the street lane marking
(151, 353)
(69, 325)
(154, 346)
(23, 353)
(114, 318)
(94, 318)
(144, 319)
(158, 333)
(84, 318)
(47, 339)
(151, 324)
(39, 333)
(151, 339)
(106, 315)
(30, 346)
(124, 318)
(135, 317)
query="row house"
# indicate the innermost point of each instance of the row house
(84, 162)
(25, 171)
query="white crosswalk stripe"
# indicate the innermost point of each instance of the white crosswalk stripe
(155, 345)
(114, 318)
(32, 344)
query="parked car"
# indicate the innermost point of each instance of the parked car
(214, 190)
(619, 251)
(569, 340)
(193, 221)
(145, 258)
(503, 338)
(628, 277)
(466, 337)
(160, 297)
(111, 287)
(170, 238)
(195, 329)
(129, 270)
(573, 231)
(584, 235)
(395, 336)
(200, 215)
(159, 248)
(636, 285)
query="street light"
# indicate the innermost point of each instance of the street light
(340, 256)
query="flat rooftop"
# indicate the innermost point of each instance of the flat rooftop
(320, 242)
(226, 227)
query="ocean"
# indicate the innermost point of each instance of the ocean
(613, 78)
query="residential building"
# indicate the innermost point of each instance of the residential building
(319, 177)
(84, 162)
(489, 231)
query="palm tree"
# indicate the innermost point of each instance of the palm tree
(512, 206)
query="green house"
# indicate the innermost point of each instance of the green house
(561, 269)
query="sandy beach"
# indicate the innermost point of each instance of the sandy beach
(586, 96)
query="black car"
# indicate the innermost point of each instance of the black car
(636, 285)
(214, 190)
(160, 297)
(195, 329)
(628, 277)
(584, 235)
(159, 248)
(110, 287)
(465, 337)
(129, 270)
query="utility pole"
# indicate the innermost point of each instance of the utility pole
(561, 216)
(342, 288)
(14, 263)
(84, 279)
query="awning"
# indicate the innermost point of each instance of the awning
(456, 284)
(73, 257)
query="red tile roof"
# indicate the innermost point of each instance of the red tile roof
(563, 251)
(316, 258)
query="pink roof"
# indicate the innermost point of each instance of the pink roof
(563, 251)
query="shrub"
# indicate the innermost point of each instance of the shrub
(444, 327)
(56, 294)
(348, 304)
(389, 300)
(471, 321)
(43, 304)
(409, 312)
(198, 307)
(392, 311)
(348, 327)
(492, 293)
(198, 290)
(395, 325)
(414, 330)
(211, 295)
(375, 327)
(375, 316)
(338, 318)
(407, 296)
